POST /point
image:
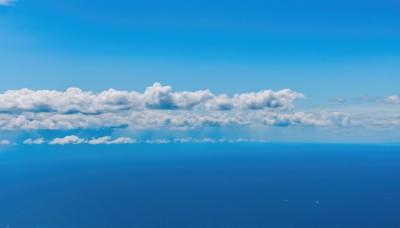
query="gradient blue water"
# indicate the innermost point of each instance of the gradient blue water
(194, 185)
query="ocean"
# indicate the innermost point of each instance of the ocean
(200, 185)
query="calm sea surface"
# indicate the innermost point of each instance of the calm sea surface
(200, 185)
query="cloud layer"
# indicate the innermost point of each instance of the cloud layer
(107, 140)
(304, 119)
(73, 139)
(158, 107)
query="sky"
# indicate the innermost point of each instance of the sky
(199, 71)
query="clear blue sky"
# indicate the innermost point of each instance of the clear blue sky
(323, 49)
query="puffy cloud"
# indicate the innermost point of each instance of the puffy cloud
(38, 141)
(158, 107)
(7, 2)
(266, 99)
(4, 142)
(71, 139)
(74, 100)
(162, 97)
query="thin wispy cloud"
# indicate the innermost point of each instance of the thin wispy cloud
(73, 139)
(38, 141)
(108, 140)
(338, 100)
(7, 2)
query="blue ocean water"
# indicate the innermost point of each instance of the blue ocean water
(200, 185)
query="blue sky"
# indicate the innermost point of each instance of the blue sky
(338, 50)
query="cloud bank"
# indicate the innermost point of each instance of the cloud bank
(158, 107)
(155, 97)
(304, 119)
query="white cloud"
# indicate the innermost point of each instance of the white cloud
(38, 141)
(7, 2)
(74, 100)
(157, 141)
(393, 99)
(203, 140)
(162, 97)
(304, 119)
(133, 120)
(157, 108)
(339, 100)
(101, 140)
(123, 140)
(4, 142)
(174, 120)
(107, 140)
(71, 139)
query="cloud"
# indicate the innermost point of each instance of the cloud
(4, 142)
(338, 100)
(127, 119)
(393, 99)
(38, 141)
(123, 140)
(101, 140)
(156, 97)
(304, 119)
(7, 2)
(162, 97)
(158, 141)
(72, 139)
(157, 108)
(107, 140)
(173, 120)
